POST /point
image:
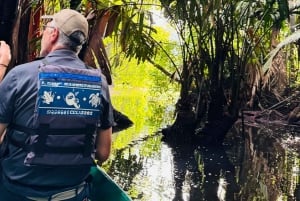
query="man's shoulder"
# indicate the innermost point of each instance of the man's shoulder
(28, 65)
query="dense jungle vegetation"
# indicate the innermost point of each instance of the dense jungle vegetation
(224, 56)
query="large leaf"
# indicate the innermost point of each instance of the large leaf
(94, 54)
(290, 39)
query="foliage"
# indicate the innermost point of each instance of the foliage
(146, 100)
(294, 37)
(218, 56)
(223, 45)
(133, 28)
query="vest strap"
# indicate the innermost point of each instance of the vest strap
(43, 131)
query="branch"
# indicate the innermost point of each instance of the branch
(164, 71)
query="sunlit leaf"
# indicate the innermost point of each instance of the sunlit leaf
(288, 40)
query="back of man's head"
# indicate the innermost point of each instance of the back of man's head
(71, 23)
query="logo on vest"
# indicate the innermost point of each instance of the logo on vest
(48, 97)
(71, 100)
(95, 100)
(64, 94)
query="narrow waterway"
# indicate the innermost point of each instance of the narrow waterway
(258, 163)
(253, 166)
(254, 163)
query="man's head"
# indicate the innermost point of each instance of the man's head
(67, 28)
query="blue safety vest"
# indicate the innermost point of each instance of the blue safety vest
(67, 112)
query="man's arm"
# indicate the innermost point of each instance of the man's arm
(2, 131)
(103, 145)
(5, 57)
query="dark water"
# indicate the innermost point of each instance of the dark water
(255, 163)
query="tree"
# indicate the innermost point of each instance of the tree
(25, 29)
(222, 43)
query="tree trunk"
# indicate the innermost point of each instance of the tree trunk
(7, 17)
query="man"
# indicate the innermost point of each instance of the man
(5, 57)
(56, 112)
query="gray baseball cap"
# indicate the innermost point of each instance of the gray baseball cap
(69, 21)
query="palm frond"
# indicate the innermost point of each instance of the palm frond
(94, 54)
(290, 39)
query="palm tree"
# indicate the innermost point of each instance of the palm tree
(223, 45)
(25, 29)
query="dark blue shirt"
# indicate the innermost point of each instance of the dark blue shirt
(18, 92)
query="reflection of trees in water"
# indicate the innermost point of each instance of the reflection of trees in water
(186, 171)
(218, 182)
(248, 167)
(255, 176)
(124, 169)
(206, 171)
(266, 167)
(253, 166)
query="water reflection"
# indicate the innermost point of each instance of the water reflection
(145, 177)
(260, 164)
(186, 175)
(218, 182)
(254, 167)
(266, 168)
(125, 167)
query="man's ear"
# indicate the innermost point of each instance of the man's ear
(54, 35)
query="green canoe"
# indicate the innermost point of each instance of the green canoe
(104, 188)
